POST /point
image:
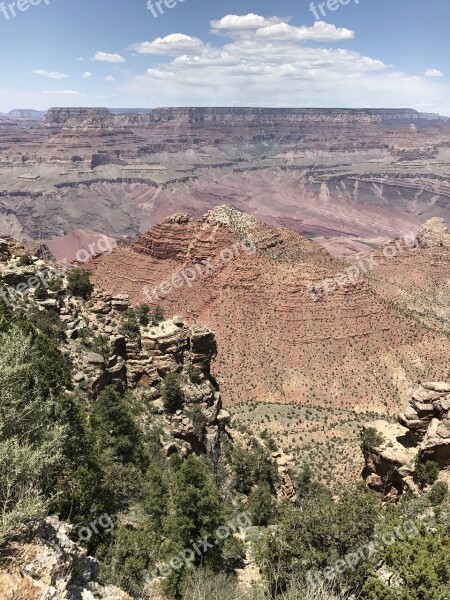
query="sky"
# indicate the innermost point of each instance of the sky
(288, 53)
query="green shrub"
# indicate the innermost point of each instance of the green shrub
(25, 261)
(129, 326)
(426, 472)
(195, 375)
(260, 505)
(370, 438)
(439, 493)
(56, 284)
(199, 422)
(158, 315)
(79, 283)
(171, 393)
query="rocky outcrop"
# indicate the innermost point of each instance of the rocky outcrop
(423, 433)
(389, 465)
(427, 419)
(433, 234)
(276, 342)
(103, 351)
(43, 563)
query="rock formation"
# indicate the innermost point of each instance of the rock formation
(139, 361)
(346, 176)
(350, 350)
(433, 233)
(43, 563)
(423, 433)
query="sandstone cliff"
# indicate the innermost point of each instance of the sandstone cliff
(43, 563)
(349, 350)
(422, 433)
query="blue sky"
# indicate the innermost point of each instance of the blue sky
(231, 52)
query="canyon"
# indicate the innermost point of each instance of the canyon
(349, 350)
(350, 179)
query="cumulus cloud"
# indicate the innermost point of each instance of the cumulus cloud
(270, 62)
(319, 32)
(238, 23)
(433, 73)
(175, 44)
(87, 75)
(110, 78)
(50, 74)
(111, 58)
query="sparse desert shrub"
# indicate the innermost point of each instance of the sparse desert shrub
(439, 493)
(370, 438)
(171, 392)
(426, 472)
(79, 283)
(25, 261)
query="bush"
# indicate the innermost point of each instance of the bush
(370, 438)
(195, 375)
(40, 292)
(56, 284)
(439, 493)
(199, 422)
(426, 472)
(260, 505)
(142, 314)
(33, 427)
(130, 326)
(114, 426)
(25, 261)
(158, 316)
(79, 283)
(171, 393)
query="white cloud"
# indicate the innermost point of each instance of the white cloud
(433, 73)
(50, 74)
(110, 78)
(111, 58)
(269, 62)
(65, 92)
(87, 75)
(236, 23)
(319, 32)
(175, 44)
(159, 74)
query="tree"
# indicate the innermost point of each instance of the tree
(142, 314)
(439, 493)
(171, 393)
(370, 438)
(158, 315)
(261, 505)
(426, 472)
(79, 283)
(195, 512)
(316, 535)
(114, 427)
